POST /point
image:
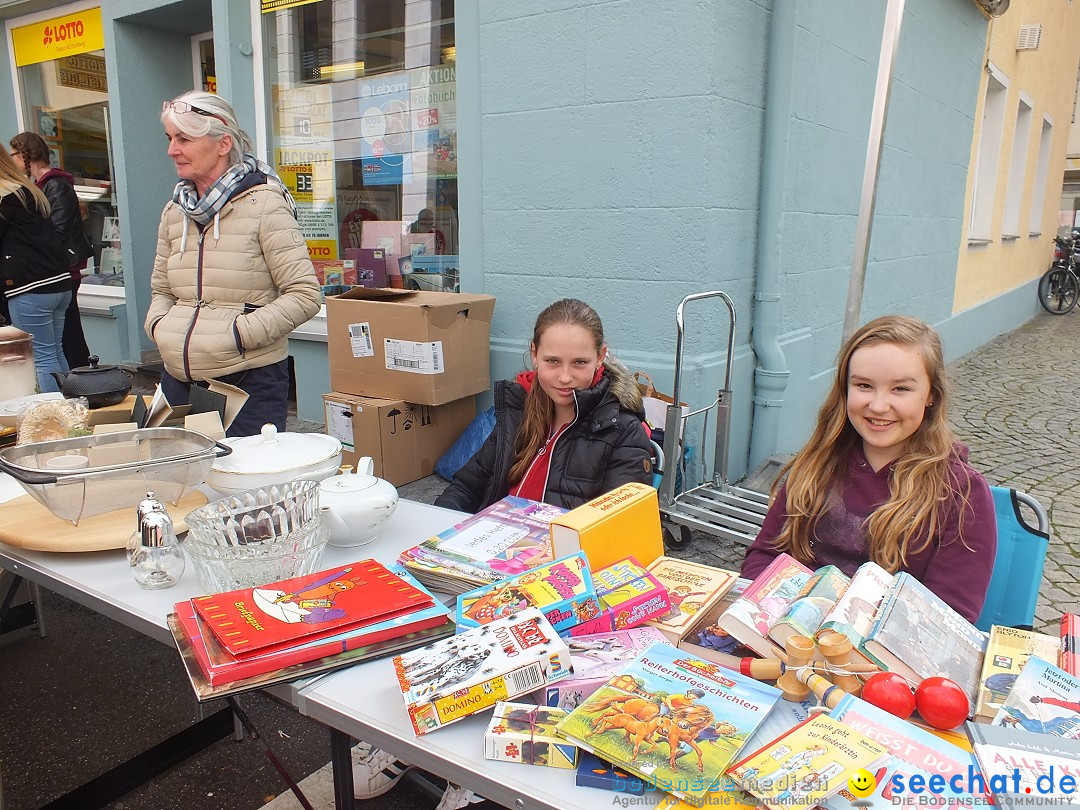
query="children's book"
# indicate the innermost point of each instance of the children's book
(220, 667)
(853, 615)
(509, 537)
(596, 658)
(1024, 768)
(710, 641)
(817, 597)
(763, 602)
(692, 589)
(672, 719)
(1044, 699)
(453, 678)
(276, 616)
(628, 594)
(205, 690)
(623, 522)
(919, 636)
(563, 590)
(1007, 651)
(914, 752)
(1069, 652)
(811, 762)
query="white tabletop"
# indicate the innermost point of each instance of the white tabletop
(363, 700)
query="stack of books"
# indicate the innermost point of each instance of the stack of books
(507, 538)
(255, 637)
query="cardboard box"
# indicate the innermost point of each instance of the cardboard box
(424, 347)
(403, 439)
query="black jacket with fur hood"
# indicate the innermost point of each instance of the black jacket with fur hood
(603, 448)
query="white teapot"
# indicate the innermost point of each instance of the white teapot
(356, 505)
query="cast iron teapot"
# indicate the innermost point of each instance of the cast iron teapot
(101, 385)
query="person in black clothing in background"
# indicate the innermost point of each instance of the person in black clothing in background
(31, 153)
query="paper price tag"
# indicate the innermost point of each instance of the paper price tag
(414, 357)
(360, 338)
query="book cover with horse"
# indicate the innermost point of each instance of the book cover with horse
(672, 719)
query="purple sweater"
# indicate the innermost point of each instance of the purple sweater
(956, 573)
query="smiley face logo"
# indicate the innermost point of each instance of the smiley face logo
(862, 784)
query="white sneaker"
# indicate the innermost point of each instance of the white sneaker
(376, 773)
(455, 798)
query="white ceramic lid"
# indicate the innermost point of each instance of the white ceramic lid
(347, 482)
(272, 452)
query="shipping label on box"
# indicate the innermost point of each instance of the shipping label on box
(416, 358)
(522, 732)
(423, 347)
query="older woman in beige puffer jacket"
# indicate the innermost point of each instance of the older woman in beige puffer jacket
(232, 277)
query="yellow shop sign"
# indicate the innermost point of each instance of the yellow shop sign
(68, 35)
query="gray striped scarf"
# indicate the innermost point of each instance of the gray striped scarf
(204, 209)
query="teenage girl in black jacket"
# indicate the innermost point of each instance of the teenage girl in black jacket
(565, 433)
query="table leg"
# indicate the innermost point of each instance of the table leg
(341, 758)
(255, 735)
(15, 617)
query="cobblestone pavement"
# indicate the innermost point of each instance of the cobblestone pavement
(1018, 410)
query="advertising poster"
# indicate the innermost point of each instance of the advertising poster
(385, 131)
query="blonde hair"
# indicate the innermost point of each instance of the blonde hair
(922, 480)
(13, 181)
(539, 410)
(197, 125)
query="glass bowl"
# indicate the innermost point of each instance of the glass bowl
(257, 537)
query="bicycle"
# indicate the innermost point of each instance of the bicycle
(1059, 288)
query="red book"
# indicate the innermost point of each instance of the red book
(219, 667)
(1070, 654)
(251, 621)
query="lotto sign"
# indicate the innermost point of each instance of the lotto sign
(68, 35)
(299, 179)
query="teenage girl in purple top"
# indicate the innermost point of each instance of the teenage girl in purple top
(883, 478)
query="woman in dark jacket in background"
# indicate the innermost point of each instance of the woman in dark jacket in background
(33, 270)
(31, 151)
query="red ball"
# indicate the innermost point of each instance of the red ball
(942, 703)
(890, 692)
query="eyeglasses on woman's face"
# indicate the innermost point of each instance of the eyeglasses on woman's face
(182, 107)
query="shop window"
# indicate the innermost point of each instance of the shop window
(363, 130)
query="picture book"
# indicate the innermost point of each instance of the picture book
(1069, 652)
(623, 522)
(628, 594)
(811, 762)
(508, 537)
(806, 613)
(472, 671)
(914, 752)
(277, 615)
(205, 690)
(525, 733)
(563, 590)
(853, 615)
(1007, 651)
(692, 588)
(672, 719)
(764, 601)
(595, 772)
(707, 639)
(917, 635)
(1044, 699)
(596, 658)
(1022, 768)
(219, 666)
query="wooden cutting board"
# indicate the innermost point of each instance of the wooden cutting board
(25, 523)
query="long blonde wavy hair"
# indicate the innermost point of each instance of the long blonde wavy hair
(922, 480)
(13, 180)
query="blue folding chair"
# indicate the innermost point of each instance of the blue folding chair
(1018, 566)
